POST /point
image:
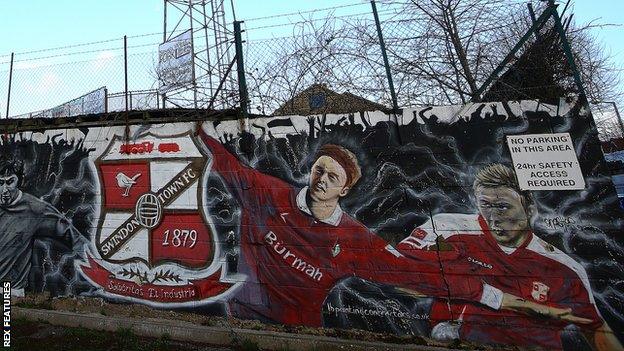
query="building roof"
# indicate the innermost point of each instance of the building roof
(319, 99)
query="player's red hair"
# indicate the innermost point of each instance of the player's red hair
(345, 158)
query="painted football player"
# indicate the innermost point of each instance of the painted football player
(24, 218)
(498, 245)
(297, 243)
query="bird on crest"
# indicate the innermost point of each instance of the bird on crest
(125, 182)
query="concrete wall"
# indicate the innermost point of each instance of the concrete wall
(380, 230)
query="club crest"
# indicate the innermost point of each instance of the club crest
(336, 250)
(540, 292)
(154, 241)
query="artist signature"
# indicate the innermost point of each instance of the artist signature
(558, 222)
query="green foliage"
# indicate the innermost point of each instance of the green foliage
(323, 348)
(248, 345)
(82, 333)
(43, 305)
(127, 339)
(81, 339)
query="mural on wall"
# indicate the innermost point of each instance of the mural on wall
(46, 202)
(415, 224)
(154, 240)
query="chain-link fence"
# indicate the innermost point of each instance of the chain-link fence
(608, 120)
(44, 79)
(341, 53)
(439, 52)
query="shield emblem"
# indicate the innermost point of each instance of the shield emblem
(151, 203)
(154, 243)
(540, 291)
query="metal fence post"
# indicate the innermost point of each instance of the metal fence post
(382, 45)
(105, 100)
(190, 14)
(240, 68)
(164, 95)
(537, 25)
(127, 127)
(533, 19)
(619, 118)
(126, 70)
(567, 49)
(8, 103)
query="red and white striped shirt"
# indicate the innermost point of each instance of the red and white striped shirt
(536, 271)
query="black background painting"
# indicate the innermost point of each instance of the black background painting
(57, 171)
(410, 172)
(413, 171)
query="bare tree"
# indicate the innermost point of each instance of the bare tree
(462, 41)
(339, 55)
(440, 51)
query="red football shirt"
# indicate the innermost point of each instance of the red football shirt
(536, 271)
(292, 260)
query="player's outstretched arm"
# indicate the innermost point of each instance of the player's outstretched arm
(385, 264)
(238, 177)
(517, 304)
(605, 340)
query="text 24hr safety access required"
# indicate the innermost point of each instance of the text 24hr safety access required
(545, 162)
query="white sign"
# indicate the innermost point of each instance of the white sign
(93, 102)
(175, 62)
(545, 162)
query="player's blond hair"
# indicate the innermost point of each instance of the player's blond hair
(497, 175)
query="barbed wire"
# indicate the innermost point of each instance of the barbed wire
(306, 12)
(64, 47)
(318, 20)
